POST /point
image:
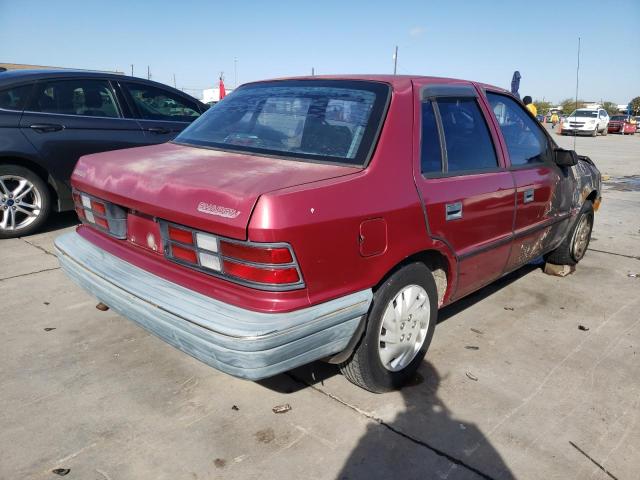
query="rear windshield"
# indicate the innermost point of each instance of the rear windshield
(333, 121)
(585, 113)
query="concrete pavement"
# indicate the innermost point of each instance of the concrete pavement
(89, 391)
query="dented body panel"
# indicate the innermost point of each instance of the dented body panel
(348, 227)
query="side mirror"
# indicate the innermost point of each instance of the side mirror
(566, 158)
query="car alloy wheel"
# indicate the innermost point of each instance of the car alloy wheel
(404, 327)
(20, 203)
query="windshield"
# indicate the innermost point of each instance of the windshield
(618, 117)
(334, 121)
(585, 113)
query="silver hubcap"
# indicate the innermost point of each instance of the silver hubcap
(404, 327)
(20, 202)
(581, 239)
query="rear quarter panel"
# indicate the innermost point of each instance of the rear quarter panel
(322, 220)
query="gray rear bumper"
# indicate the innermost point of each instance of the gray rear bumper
(234, 340)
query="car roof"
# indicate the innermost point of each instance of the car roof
(396, 81)
(9, 77)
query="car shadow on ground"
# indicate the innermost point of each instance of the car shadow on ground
(453, 448)
(58, 221)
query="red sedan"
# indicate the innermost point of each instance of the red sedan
(623, 124)
(326, 218)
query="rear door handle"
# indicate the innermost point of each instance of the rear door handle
(454, 210)
(158, 130)
(46, 127)
(528, 195)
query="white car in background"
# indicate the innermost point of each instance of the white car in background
(586, 121)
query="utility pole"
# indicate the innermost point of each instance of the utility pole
(148, 72)
(235, 72)
(395, 61)
(174, 81)
(132, 69)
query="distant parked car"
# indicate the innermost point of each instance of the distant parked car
(540, 118)
(589, 121)
(301, 220)
(50, 118)
(623, 124)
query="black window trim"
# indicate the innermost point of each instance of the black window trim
(71, 79)
(135, 111)
(320, 159)
(433, 93)
(123, 102)
(551, 143)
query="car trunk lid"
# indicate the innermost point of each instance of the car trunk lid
(206, 189)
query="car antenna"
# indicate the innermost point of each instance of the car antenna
(577, 73)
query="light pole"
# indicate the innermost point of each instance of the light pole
(235, 72)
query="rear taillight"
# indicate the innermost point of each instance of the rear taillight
(257, 265)
(256, 255)
(100, 214)
(261, 275)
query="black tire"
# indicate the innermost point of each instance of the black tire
(567, 253)
(365, 368)
(605, 132)
(39, 187)
(595, 132)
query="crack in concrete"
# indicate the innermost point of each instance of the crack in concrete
(634, 257)
(37, 246)
(379, 421)
(30, 273)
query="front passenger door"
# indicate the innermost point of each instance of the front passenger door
(542, 209)
(162, 114)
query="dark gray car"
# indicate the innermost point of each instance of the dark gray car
(50, 118)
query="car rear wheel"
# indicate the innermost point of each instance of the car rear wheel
(575, 245)
(25, 201)
(400, 325)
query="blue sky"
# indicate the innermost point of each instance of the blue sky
(476, 40)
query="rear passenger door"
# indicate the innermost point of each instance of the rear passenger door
(162, 114)
(68, 118)
(468, 193)
(542, 210)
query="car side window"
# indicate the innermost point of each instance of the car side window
(526, 142)
(156, 104)
(430, 152)
(15, 98)
(468, 143)
(85, 97)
